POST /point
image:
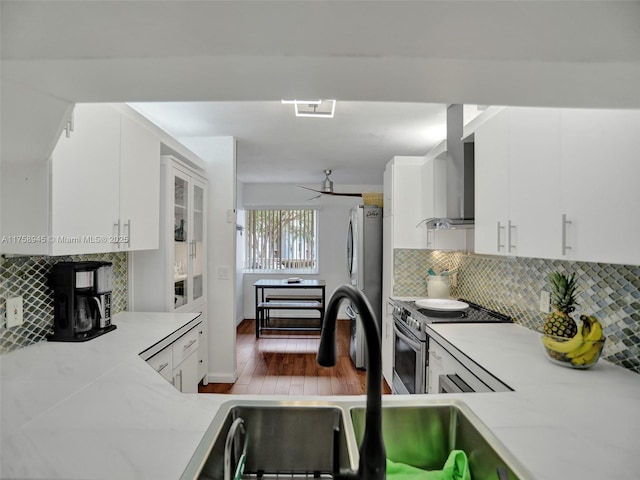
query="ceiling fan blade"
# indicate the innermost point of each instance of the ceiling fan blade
(312, 189)
(346, 194)
(332, 193)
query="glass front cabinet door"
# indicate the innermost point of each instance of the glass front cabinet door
(189, 231)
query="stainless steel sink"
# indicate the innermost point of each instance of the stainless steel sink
(300, 440)
(307, 439)
(424, 435)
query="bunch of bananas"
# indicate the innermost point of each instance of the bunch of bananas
(584, 348)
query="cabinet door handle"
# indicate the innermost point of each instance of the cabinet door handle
(179, 374)
(117, 235)
(70, 127)
(510, 227)
(190, 343)
(565, 222)
(500, 227)
(128, 225)
(162, 367)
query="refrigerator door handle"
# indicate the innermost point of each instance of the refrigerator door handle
(350, 248)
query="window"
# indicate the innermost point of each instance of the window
(283, 241)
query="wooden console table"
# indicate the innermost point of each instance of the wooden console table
(290, 301)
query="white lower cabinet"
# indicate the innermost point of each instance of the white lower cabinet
(185, 375)
(178, 363)
(162, 362)
(203, 349)
(451, 371)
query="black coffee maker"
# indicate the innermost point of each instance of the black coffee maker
(82, 300)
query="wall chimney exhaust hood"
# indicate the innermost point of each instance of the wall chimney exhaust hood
(460, 177)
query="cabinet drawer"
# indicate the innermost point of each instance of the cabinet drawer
(162, 362)
(184, 346)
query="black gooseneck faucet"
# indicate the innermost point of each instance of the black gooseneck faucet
(372, 464)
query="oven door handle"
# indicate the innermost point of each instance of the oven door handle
(412, 343)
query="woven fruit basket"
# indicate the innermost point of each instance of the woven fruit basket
(373, 199)
(560, 351)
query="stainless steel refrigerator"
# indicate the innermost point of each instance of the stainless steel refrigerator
(364, 262)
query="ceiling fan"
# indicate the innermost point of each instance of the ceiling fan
(327, 188)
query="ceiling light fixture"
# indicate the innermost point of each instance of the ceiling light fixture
(301, 102)
(313, 108)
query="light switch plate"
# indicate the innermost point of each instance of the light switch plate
(545, 301)
(223, 273)
(14, 312)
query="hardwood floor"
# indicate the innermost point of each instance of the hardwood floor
(284, 363)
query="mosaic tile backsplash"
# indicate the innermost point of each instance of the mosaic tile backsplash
(27, 277)
(513, 286)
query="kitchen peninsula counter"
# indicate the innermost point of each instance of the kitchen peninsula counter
(98, 410)
(559, 422)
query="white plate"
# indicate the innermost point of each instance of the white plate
(442, 304)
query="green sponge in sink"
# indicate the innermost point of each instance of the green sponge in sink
(455, 468)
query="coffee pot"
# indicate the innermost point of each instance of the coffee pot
(82, 300)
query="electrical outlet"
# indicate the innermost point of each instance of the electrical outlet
(14, 312)
(545, 301)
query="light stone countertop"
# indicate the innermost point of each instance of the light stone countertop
(559, 422)
(97, 410)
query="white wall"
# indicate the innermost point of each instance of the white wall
(333, 218)
(240, 236)
(219, 154)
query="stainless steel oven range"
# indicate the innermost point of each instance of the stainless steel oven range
(411, 342)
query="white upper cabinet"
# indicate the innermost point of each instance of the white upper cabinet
(139, 186)
(84, 183)
(534, 184)
(403, 200)
(600, 194)
(98, 192)
(559, 184)
(491, 185)
(173, 277)
(434, 184)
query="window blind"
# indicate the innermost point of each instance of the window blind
(281, 240)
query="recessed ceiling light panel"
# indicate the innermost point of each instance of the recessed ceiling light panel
(301, 102)
(313, 108)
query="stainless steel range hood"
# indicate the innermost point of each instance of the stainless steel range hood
(460, 176)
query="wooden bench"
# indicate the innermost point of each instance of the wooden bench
(264, 309)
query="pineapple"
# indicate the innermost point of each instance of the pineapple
(563, 300)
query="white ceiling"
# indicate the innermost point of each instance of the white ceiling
(379, 59)
(274, 146)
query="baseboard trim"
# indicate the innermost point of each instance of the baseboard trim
(222, 377)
